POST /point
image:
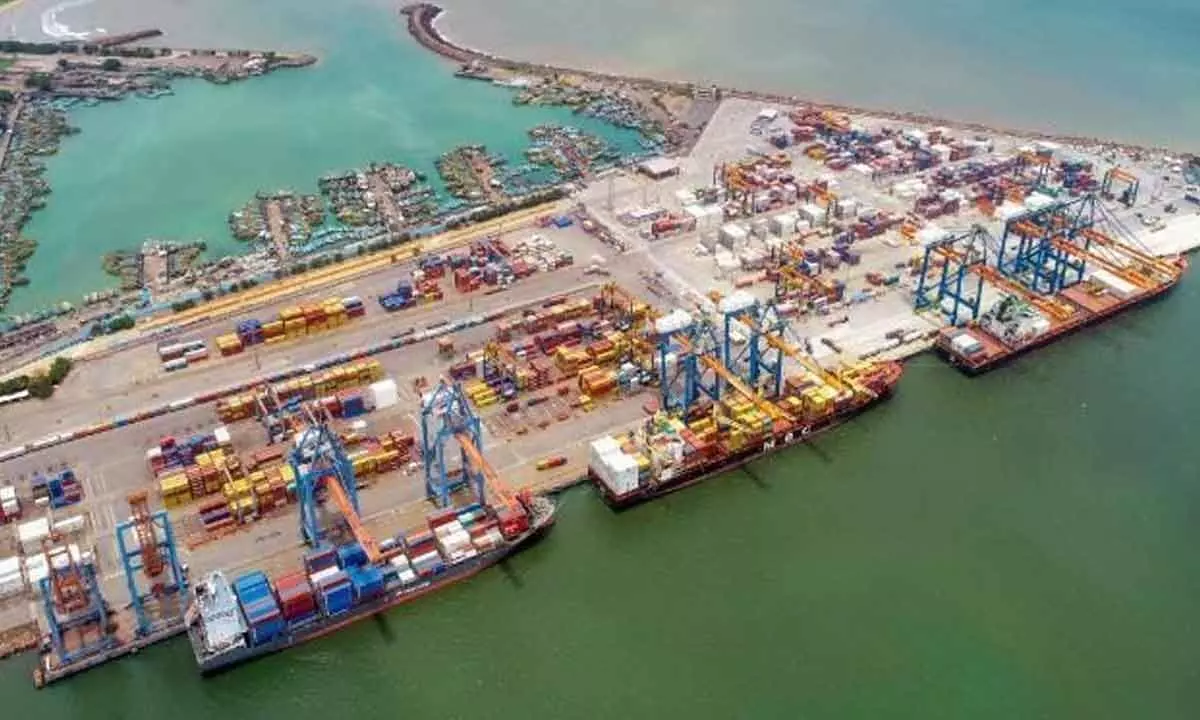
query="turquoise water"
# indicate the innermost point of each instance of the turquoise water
(176, 166)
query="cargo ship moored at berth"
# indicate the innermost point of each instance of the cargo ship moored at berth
(232, 622)
(1012, 328)
(667, 454)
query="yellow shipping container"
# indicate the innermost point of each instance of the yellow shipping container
(246, 506)
(290, 312)
(174, 484)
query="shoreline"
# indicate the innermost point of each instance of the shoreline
(421, 20)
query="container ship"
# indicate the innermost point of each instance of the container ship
(231, 622)
(1015, 325)
(668, 453)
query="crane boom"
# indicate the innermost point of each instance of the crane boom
(994, 277)
(1160, 266)
(1123, 272)
(772, 410)
(364, 538)
(481, 465)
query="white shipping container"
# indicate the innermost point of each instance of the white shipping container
(322, 575)
(11, 585)
(30, 534)
(384, 393)
(622, 473)
(35, 568)
(69, 525)
(1113, 284)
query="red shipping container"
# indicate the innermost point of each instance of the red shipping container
(298, 606)
(268, 454)
(442, 517)
(482, 528)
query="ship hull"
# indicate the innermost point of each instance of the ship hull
(214, 663)
(973, 368)
(732, 461)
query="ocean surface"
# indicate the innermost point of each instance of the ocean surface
(1020, 545)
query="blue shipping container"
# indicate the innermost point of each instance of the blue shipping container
(351, 555)
(367, 582)
(266, 629)
(337, 598)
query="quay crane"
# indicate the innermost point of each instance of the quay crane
(319, 462)
(972, 259)
(698, 361)
(76, 613)
(146, 546)
(446, 415)
(1129, 180)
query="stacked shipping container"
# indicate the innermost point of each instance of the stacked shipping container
(292, 322)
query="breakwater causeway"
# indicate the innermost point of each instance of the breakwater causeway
(422, 25)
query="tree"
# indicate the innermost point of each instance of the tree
(110, 65)
(59, 370)
(40, 386)
(63, 63)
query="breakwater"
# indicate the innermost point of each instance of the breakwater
(422, 25)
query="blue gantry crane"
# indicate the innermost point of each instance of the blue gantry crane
(684, 377)
(952, 290)
(146, 546)
(1034, 247)
(756, 361)
(319, 462)
(967, 254)
(75, 611)
(446, 415)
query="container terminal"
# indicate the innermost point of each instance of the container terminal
(661, 324)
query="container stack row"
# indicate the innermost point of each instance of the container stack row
(306, 387)
(189, 468)
(335, 580)
(291, 323)
(409, 293)
(259, 607)
(58, 490)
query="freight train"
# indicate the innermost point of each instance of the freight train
(232, 622)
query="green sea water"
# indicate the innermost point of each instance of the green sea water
(1014, 546)
(175, 167)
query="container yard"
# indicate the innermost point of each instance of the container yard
(654, 330)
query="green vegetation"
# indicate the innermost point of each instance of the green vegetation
(110, 65)
(14, 385)
(40, 385)
(59, 369)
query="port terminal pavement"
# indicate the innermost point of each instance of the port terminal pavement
(666, 272)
